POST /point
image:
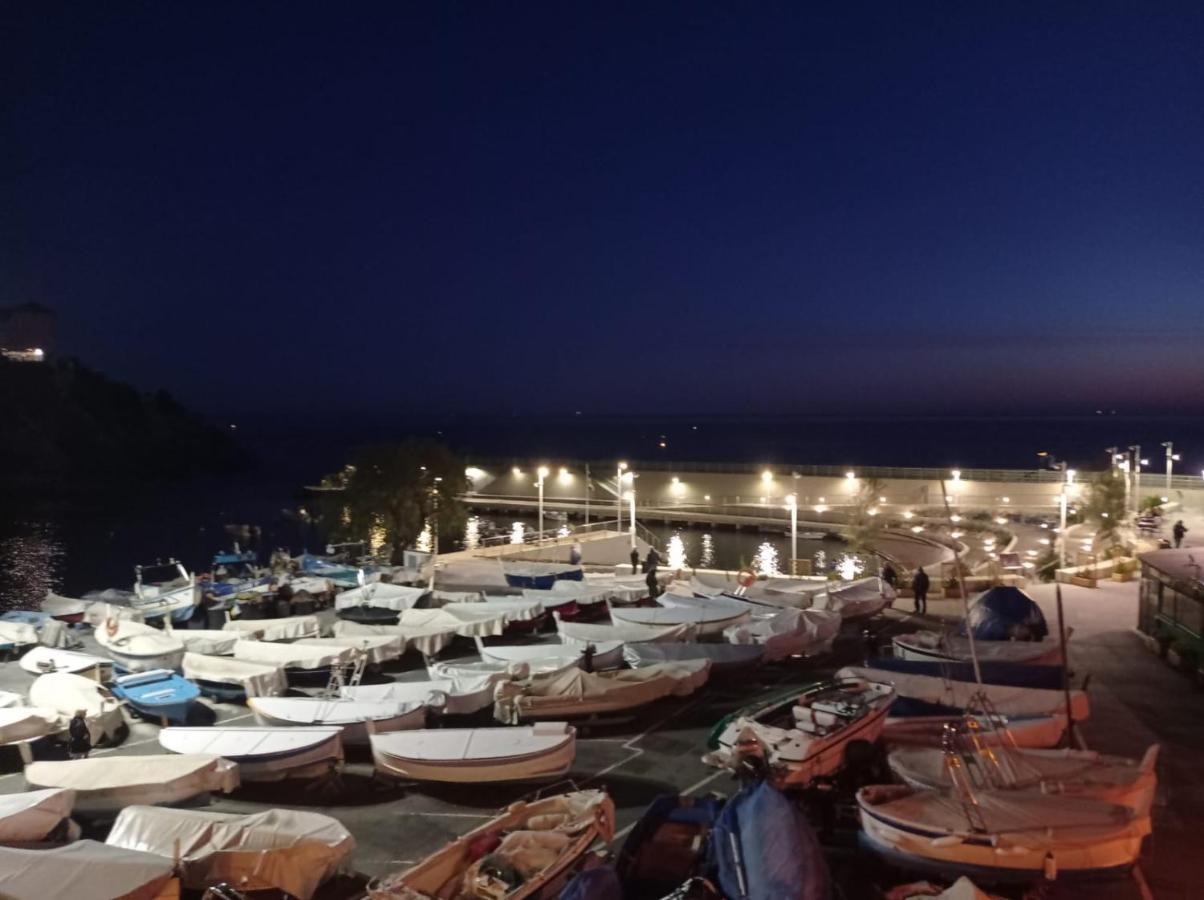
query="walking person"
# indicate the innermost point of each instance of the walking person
(653, 585)
(635, 561)
(919, 586)
(889, 575)
(79, 743)
(1178, 531)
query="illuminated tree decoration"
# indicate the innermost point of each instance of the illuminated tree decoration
(766, 560)
(516, 533)
(423, 542)
(677, 553)
(472, 533)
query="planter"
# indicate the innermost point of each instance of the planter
(1084, 581)
(1122, 576)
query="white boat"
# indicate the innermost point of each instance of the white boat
(44, 660)
(296, 656)
(933, 645)
(572, 592)
(429, 641)
(206, 641)
(999, 835)
(264, 754)
(175, 598)
(544, 840)
(67, 609)
(66, 693)
(575, 693)
(288, 629)
(454, 696)
(33, 816)
(381, 595)
(137, 647)
(1075, 773)
(797, 593)
(15, 636)
(582, 633)
(861, 599)
(712, 619)
(108, 783)
(357, 718)
(465, 619)
(521, 753)
(283, 850)
(376, 649)
(28, 723)
(109, 604)
(8, 698)
(501, 670)
(790, 632)
(804, 735)
(607, 655)
(86, 870)
(723, 657)
(234, 679)
(1035, 732)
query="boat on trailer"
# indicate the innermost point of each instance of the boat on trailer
(37, 816)
(138, 648)
(159, 694)
(481, 755)
(233, 680)
(541, 842)
(357, 718)
(109, 783)
(264, 754)
(45, 660)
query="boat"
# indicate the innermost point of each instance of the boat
(394, 597)
(175, 596)
(542, 751)
(544, 665)
(159, 695)
(669, 845)
(722, 657)
(37, 816)
(137, 647)
(66, 694)
(297, 660)
(44, 660)
(710, 619)
(803, 736)
(574, 693)
(270, 630)
(520, 613)
(28, 723)
(263, 753)
(65, 609)
(995, 836)
(935, 646)
(207, 641)
(110, 603)
(86, 870)
(233, 680)
(465, 619)
(582, 633)
(790, 632)
(17, 636)
(606, 655)
(376, 649)
(992, 671)
(454, 696)
(109, 783)
(539, 576)
(369, 615)
(782, 593)
(1073, 773)
(1030, 731)
(285, 850)
(427, 640)
(357, 718)
(857, 600)
(541, 842)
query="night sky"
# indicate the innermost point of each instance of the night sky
(647, 208)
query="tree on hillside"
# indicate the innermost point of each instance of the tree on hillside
(1105, 506)
(393, 491)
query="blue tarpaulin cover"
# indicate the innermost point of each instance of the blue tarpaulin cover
(1006, 614)
(601, 883)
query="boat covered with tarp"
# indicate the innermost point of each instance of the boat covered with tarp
(208, 641)
(296, 656)
(605, 655)
(861, 599)
(938, 646)
(992, 671)
(375, 648)
(722, 657)
(429, 640)
(454, 696)
(790, 632)
(541, 751)
(1005, 613)
(137, 647)
(225, 678)
(381, 595)
(28, 723)
(708, 616)
(263, 753)
(34, 816)
(539, 575)
(583, 633)
(45, 660)
(85, 870)
(287, 629)
(109, 783)
(357, 718)
(66, 694)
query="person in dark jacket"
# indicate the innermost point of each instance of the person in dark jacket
(653, 585)
(1178, 531)
(919, 586)
(79, 743)
(635, 560)
(889, 575)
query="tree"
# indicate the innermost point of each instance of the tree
(392, 491)
(864, 523)
(1105, 506)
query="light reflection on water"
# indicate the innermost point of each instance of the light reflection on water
(31, 560)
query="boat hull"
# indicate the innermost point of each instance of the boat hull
(355, 733)
(1036, 732)
(538, 766)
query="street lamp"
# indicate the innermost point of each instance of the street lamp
(619, 493)
(1067, 479)
(543, 473)
(1171, 458)
(792, 505)
(631, 496)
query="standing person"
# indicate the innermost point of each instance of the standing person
(635, 561)
(919, 585)
(652, 560)
(1178, 531)
(575, 555)
(650, 580)
(79, 743)
(889, 575)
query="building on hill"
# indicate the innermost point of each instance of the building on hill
(26, 332)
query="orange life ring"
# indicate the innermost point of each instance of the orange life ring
(746, 578)
(111, 626)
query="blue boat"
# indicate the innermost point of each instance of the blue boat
(667, 846)
(1011, 674)
(538, 576)
(157, 694)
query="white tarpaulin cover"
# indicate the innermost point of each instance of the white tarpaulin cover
(111, 782)
(552, 599)
(84, 870)
(292, 656)
(23, 723)
(65, 693)
(789, 632)
(256, 679)
(442, 597)
(857, 598)
(708, 620)
(578, 693)
(594, 591)
(276, 629)
(18, 633)
(97, 611)
(242, 743)
(386, 596)
(428, 641)
(463, 618)
(516, 609)
(457, 696)
(32, 815)
(139, 646)
(43, 660)
(279, 849)
(208, 641)
(57, 605)
(581, 633)
(377, 648)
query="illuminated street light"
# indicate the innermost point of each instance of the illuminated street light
(1171, 458)
(619, 494)
(543, 473)
(792, 505)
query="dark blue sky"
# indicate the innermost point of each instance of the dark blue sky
(512, 208)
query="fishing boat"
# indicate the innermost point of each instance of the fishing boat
(369, 615)
(137, 647)
(65, 609)
(544, 665)
(300, 662)
(233, 680)
(803, 736)
(992, 671)
(272, 630)
(465, 619)
(1027, 731)
(722, 657)
(109, 783)
(376, 649)
(541, 842)
(28, 723)
(539, 576)
(537, 752)
(357, 718)
(427, 640)
(582, 633)
(791, 632)
(44, 660)
(159, 694)
(995, 836)
(394, 597)
(263, 753)
(207, 641)
(857, 600)
(711, 618)
(936, 646)
(37, 816)
(669, 845)
(86, 870)
(453, 696)
(796, 593)
(289, 851)
(66, 694)
(111, 603)
(575, 693)
(173, 593)
(607, 655)
(521, 615)
(1075, 773)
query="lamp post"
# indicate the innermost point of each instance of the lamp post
(632, 497)
(1135, 449)
(619, 494)
(543, 473)
(792, 505)
(588, 488)
(1171, 458)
